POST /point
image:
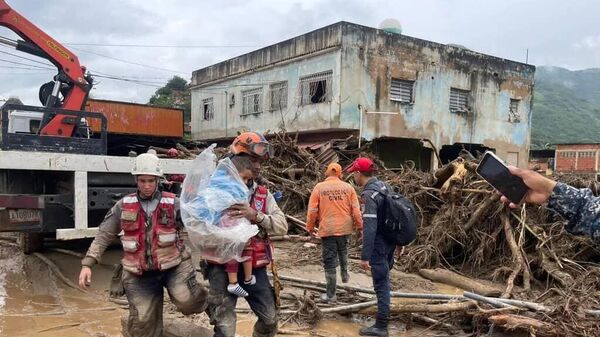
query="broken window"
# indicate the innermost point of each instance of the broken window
(208, 109)
(278, 93)
(316, 88)
(401, 90)
(252, 101)
(513, 111)
(459, 101)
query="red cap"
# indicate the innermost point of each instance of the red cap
(362, 165)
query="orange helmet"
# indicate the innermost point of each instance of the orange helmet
(252, 143)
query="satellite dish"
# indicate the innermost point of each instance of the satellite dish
(391, 26)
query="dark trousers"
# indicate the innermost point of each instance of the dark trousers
(382, 261)
(335, 248)
(145, 295)
(221, 303)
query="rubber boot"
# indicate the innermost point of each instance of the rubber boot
(374, 330)
(344, 268)
(331, 279)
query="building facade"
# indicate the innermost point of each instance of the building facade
(409, 95)
(578, 158)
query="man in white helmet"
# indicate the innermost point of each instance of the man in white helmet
(154, 256)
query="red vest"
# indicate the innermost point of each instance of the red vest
(262, 249)
(165, 244)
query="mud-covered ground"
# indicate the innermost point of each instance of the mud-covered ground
(34, 302)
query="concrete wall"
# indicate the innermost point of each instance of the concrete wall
(228, 119)
(371, 58)
(364, 60)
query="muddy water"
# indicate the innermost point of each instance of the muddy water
(33, 304)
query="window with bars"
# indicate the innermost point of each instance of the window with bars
(278, 95)
(401, 90)
(459, 101)
(316, 88)
(252, 101)
(568, 154)
(513, 111)
(208, 112)
(586, 154)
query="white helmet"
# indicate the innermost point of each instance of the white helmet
(147, 164)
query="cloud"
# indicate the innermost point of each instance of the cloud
(505, 29)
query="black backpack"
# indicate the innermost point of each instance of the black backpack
(399, 223)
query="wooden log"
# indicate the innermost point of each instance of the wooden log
(371, 291)
(516, 252)
(422, 307)
(295, 238)
(480, 211)
(531, 325)
(554, 270)
(457, 280)
(298, 223)
(493, 301)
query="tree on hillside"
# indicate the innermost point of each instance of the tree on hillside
(175, 94)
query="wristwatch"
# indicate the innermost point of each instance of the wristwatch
(260, 217)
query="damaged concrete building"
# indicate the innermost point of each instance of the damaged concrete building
(406, 94)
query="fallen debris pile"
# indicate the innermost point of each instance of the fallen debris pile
(464, 227)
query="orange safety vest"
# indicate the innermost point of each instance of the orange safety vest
(163, 237)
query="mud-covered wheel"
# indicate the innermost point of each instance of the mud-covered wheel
(30, 242)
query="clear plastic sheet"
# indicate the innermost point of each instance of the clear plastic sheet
(208, 191)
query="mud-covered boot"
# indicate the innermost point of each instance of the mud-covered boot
(374, 330)
(331, 279)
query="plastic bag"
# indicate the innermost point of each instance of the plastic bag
(208, 191)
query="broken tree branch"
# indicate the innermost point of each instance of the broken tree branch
(457, 280)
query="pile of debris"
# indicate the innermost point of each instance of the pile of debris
(464, 227)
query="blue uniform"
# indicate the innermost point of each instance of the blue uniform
(376, 248)
(580, 207)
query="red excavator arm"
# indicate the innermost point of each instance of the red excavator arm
(71, 81)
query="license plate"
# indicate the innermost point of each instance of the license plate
(24, 215)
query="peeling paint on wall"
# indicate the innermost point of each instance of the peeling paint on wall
(364, 61)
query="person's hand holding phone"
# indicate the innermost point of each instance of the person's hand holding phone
(540, 187)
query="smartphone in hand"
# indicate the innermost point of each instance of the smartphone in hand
(496, 173)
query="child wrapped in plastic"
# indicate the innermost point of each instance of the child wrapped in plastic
(208, 191)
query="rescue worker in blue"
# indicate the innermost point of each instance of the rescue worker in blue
(579, 206)
(377, 253)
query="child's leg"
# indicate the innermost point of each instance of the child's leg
(249, 279)
(234, 288)
(247, 270)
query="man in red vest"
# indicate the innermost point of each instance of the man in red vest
(154, 256)
(263, 211)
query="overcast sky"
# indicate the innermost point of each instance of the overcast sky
(557, 32)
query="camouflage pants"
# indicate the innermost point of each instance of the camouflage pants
(145, 295)
(221, 304)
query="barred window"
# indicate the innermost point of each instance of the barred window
(208, 112)
(401, 90)
(568, 154)
(513, 111)
(252, 101)
(278, 94)
(316, 88)
(459, 100)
